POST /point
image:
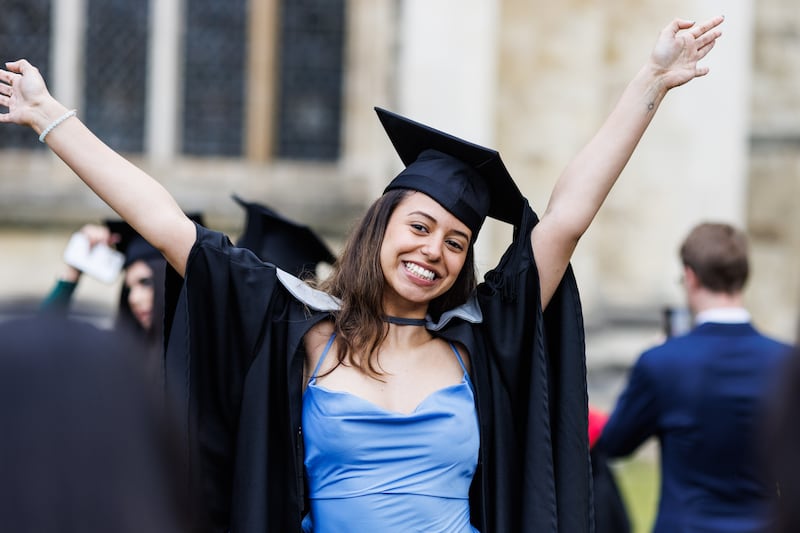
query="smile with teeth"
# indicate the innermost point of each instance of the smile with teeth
(420, 272)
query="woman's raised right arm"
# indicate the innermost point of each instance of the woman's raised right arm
(137, 197)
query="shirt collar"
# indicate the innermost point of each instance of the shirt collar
(469, 311)
(723, 315)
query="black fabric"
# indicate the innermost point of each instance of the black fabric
(275, 239)
(235, 362)
(459, 182)
(530, 374)
(453, 184)
(234, 367)
(610, 513)
(130, 243)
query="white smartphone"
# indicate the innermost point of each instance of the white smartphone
(99, 261)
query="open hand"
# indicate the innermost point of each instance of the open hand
(679, 48)
(22, 91)
(99, 234)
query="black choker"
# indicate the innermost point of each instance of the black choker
(400, 321)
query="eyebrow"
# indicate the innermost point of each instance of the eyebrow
(433, 219)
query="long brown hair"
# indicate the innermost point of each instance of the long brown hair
(357, 280)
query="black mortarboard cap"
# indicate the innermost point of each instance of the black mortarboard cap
(134, 246)
(131, 244)
(284, 243)
(468, 180)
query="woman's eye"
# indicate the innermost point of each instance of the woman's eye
(419, 227)
(146, 282)
(455, 245)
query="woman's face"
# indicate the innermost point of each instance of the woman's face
(139, 281)
(423, 251)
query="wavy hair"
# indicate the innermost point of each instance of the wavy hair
(358, 281)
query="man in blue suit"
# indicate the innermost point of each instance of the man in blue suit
(702, 395)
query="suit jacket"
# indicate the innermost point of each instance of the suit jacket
(701, 395)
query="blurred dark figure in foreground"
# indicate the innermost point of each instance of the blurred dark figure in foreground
(782, 447)
(86, 447)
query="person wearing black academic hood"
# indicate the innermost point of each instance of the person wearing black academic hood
(140, 309)
(287, 244)
(400, 332)
(143, 267)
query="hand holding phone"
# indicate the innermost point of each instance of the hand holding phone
(99, 261)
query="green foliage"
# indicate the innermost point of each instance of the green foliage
(638, 480)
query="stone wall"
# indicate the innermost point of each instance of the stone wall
(774, 172)
(534, 79)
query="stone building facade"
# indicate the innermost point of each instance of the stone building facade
(532, 78)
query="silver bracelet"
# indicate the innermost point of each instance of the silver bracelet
(56, 122)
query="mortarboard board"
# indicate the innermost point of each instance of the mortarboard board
(468, 180)
(286, 244)
(130, 243)
(134, 246)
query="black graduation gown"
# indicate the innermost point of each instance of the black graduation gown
(610, 513)
(234, 366)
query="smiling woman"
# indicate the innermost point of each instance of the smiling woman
(335, 407)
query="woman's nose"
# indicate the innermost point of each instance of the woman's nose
(432, 250)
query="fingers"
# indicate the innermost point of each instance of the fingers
(679, 24)
(707, 26)
(707, 38)
(7, 77)
(19, 66)
(16, 69)
(705, 49)
(97, 234)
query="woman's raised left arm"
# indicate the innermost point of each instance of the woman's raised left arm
(587, 180)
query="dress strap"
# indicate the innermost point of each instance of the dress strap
(458, 356)
(324, 353)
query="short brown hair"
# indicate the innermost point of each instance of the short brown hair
(717, 253)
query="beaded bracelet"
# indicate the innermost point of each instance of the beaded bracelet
(56, 122)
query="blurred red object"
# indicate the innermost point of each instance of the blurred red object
(597, 419)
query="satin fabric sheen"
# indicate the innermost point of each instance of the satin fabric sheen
(370, 469)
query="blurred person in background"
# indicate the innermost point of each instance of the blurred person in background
(87, 446)
(703, 395)
(140, 310)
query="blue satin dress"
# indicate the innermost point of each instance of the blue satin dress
(370, 469)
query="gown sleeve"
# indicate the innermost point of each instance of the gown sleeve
(216, 318)
(537, 367)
